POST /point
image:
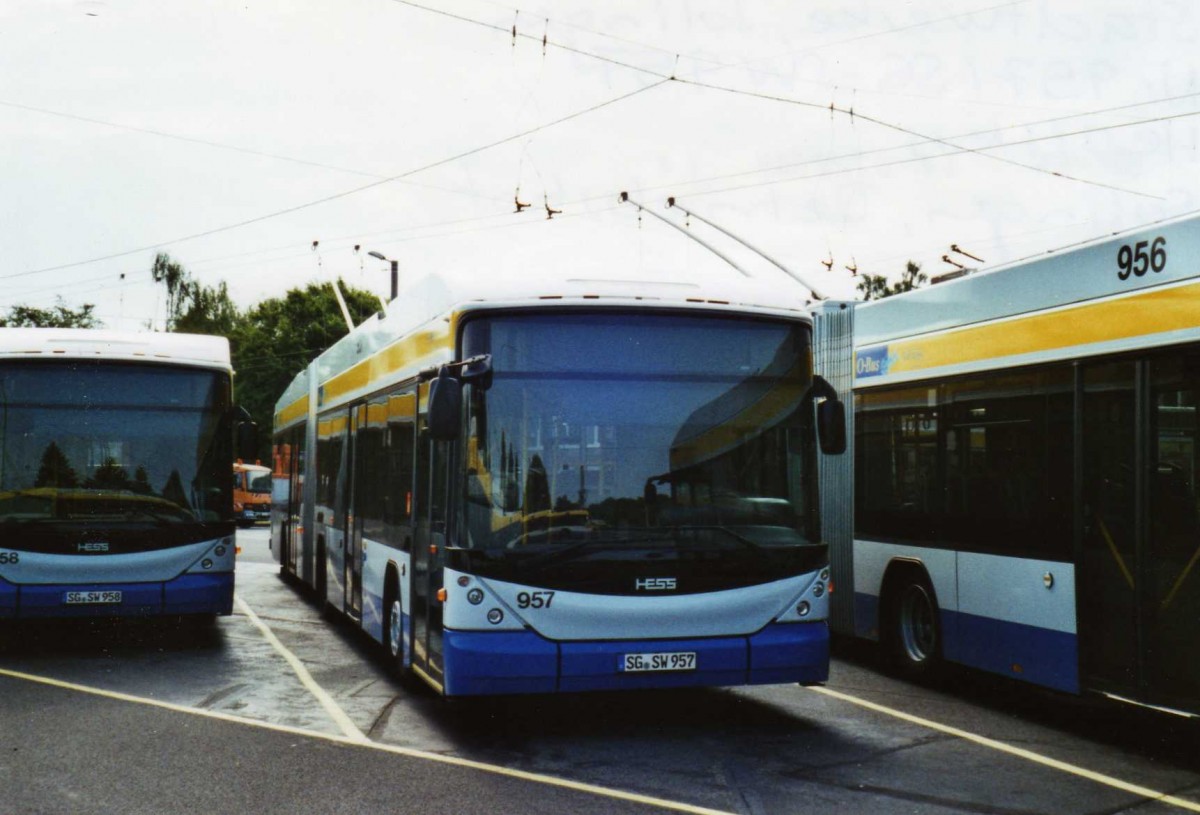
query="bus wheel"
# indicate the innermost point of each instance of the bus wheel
(393, 639)
(319, 578)
(915, 636)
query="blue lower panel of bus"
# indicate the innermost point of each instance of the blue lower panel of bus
(187, 594)
(523, 662)
(1038, 655)
(1026, 652)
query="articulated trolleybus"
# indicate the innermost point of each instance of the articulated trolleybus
(587, 485)
(1027, 470)
(115, 451)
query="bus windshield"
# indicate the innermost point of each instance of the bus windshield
(108, 446)
(622, 428)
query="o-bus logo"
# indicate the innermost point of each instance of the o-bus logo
(872, 362)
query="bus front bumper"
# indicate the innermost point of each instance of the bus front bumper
(523, 662)
(186, 594)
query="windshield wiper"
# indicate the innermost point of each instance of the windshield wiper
(741, 540)
(562, 552)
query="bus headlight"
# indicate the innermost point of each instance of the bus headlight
(803, 608)
(475, 596)
(495, 616)
(818, 589)
(206, 563)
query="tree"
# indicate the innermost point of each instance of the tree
(109, 476)
(59, 316)
(277, 338)
(875, 287)
(270, 342)
(192, 307)
(56, 469)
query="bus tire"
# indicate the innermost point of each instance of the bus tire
(319, 578)
(393, 636)
(913, 631)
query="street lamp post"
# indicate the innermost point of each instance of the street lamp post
(395, 270)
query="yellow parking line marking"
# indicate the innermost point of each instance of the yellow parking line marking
(408, 752)
(1019, 752)
(331, 707)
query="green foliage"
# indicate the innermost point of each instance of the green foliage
(55, 470)
(271, 342)
(192, 307)
(276, 339)
(60, 316)
(875, 287)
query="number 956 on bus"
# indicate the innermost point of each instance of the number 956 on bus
(673, 661)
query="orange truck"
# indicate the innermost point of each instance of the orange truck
(251, 493)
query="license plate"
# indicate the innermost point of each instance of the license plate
(88, 598)
(669, 661)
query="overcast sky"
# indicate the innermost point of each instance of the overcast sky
(234, 134)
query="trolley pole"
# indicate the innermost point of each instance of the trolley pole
(671, 202)
(624, 197)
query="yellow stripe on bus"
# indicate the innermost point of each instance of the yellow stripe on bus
(296, 410)
(402, 406)
(1152, 312)
(378, 369)
(757, 417)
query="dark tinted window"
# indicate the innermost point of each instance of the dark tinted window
(115, 442)
(979, 463)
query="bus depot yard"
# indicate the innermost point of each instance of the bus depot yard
(485, 503)
(276, 710)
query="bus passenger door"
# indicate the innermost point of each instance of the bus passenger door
(1139, 567)
(353, 563)
(428, 551)
(1171, 601)
(293, 522)
(1107, 580)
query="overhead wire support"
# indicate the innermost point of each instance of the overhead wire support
(624, 197)
(671, 202)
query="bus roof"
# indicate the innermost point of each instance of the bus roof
(1060, 278)
(431, 305)
(131, 346)
(1135, 290)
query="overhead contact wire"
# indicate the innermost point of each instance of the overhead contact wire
(345, 193)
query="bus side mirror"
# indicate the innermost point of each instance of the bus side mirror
(831, 427)
(247, 435)
(445, 406)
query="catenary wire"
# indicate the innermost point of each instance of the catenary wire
(663, 77)
(222, 146)
(344, 193)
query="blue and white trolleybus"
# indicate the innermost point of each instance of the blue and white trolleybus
(115, 487)
(566, 485)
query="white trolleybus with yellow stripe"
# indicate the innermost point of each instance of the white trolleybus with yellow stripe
(1025, 469)
(566, 486)
(115, 488)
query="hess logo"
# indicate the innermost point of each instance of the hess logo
(655, 584)
(93, 546)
